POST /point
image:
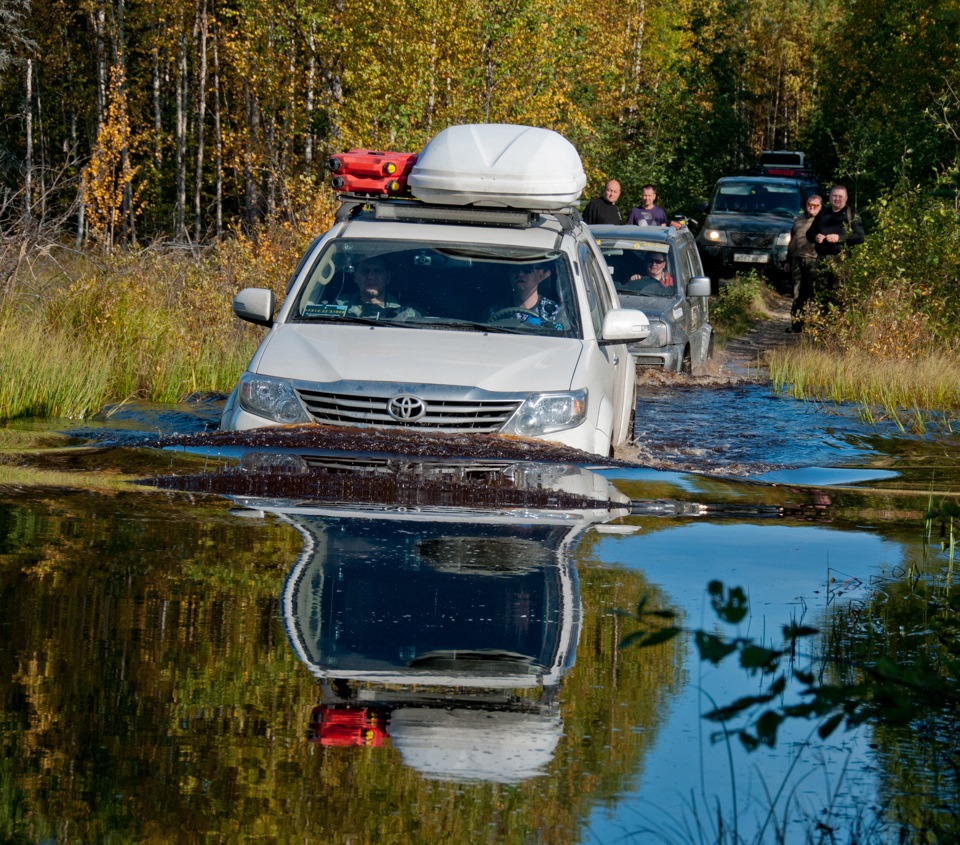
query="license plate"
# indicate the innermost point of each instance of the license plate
(751, 257)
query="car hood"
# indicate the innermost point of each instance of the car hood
(495, 362)
(749, 222)
(655, 307)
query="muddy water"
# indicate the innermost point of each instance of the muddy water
(328, 640)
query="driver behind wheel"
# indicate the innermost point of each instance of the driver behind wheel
(655, 268)
(527, 305)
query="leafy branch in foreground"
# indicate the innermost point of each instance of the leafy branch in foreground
(889, 691)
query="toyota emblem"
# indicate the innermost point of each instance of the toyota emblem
(406, 408)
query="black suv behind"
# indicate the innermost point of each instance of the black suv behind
(747, 224)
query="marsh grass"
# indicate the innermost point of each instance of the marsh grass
(76, 334)
(912, 392)
(888, 339)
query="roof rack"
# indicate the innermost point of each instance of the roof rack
(397, 209)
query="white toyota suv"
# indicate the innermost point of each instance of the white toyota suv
(480, 304)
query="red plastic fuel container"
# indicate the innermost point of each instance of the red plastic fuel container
(371, 172)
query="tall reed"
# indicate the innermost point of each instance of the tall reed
(155, 325)
(910, 391)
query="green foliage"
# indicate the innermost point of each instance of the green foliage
(883, 64)
(739, 306)
(900, 290)
(888, 690)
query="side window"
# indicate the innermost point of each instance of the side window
(691, 260)
(683, 269)
(598, 296)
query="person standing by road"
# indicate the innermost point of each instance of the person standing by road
(648, 213)
(603, 209)
(802, 261)
(833, 231)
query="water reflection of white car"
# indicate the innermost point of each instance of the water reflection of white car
(444, 631)
(675, 301)
(448, 349)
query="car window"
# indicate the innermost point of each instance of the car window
(690, 260)
(434, 286)
(596, 301)
(635, 266)
(758, 198)
(693, 256)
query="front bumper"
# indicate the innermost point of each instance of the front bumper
(663, 357)
(743, 258)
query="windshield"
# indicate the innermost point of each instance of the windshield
(422, 285)
(639, 267)
(758, 198)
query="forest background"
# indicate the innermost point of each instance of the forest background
(186, 142)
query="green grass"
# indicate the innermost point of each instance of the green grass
(913, 392)
(151, 326)
(741, 304)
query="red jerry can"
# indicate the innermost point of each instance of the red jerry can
(344, 725)
(371, 172)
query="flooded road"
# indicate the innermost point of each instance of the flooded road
(289, 639)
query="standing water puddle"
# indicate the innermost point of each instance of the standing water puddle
(288, 641)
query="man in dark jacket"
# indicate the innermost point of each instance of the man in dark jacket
(835, 228)
(802, 259)
(833, 231)
(603, 209)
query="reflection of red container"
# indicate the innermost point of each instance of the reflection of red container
(344, 725)
(371, 172)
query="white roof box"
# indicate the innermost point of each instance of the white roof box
(500, 165)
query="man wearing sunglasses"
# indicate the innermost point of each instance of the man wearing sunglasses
(802, 262)
(654, 270)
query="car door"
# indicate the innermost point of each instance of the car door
(697, 305)
(610, 366)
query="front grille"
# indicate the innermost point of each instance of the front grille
(442, 414)
(758, 240)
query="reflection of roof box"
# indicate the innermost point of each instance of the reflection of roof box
(475, 745)
(499, 165)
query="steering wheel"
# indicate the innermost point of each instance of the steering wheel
(641, 286)
(504, 313)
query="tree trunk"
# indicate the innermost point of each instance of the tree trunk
(201, 115)
(218, 136)
(155, 96)
(180, 204)
(28, 157)
(308, 140)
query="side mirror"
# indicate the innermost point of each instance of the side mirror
(624, 325)
(700, 207)
(255, 305)
(699, 286)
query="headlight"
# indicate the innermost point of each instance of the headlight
(715, 236)
(542, 413)
(783, 239)
(279, 463)
(272, 398)
(659, 334)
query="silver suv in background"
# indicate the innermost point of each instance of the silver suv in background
(657, 270)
